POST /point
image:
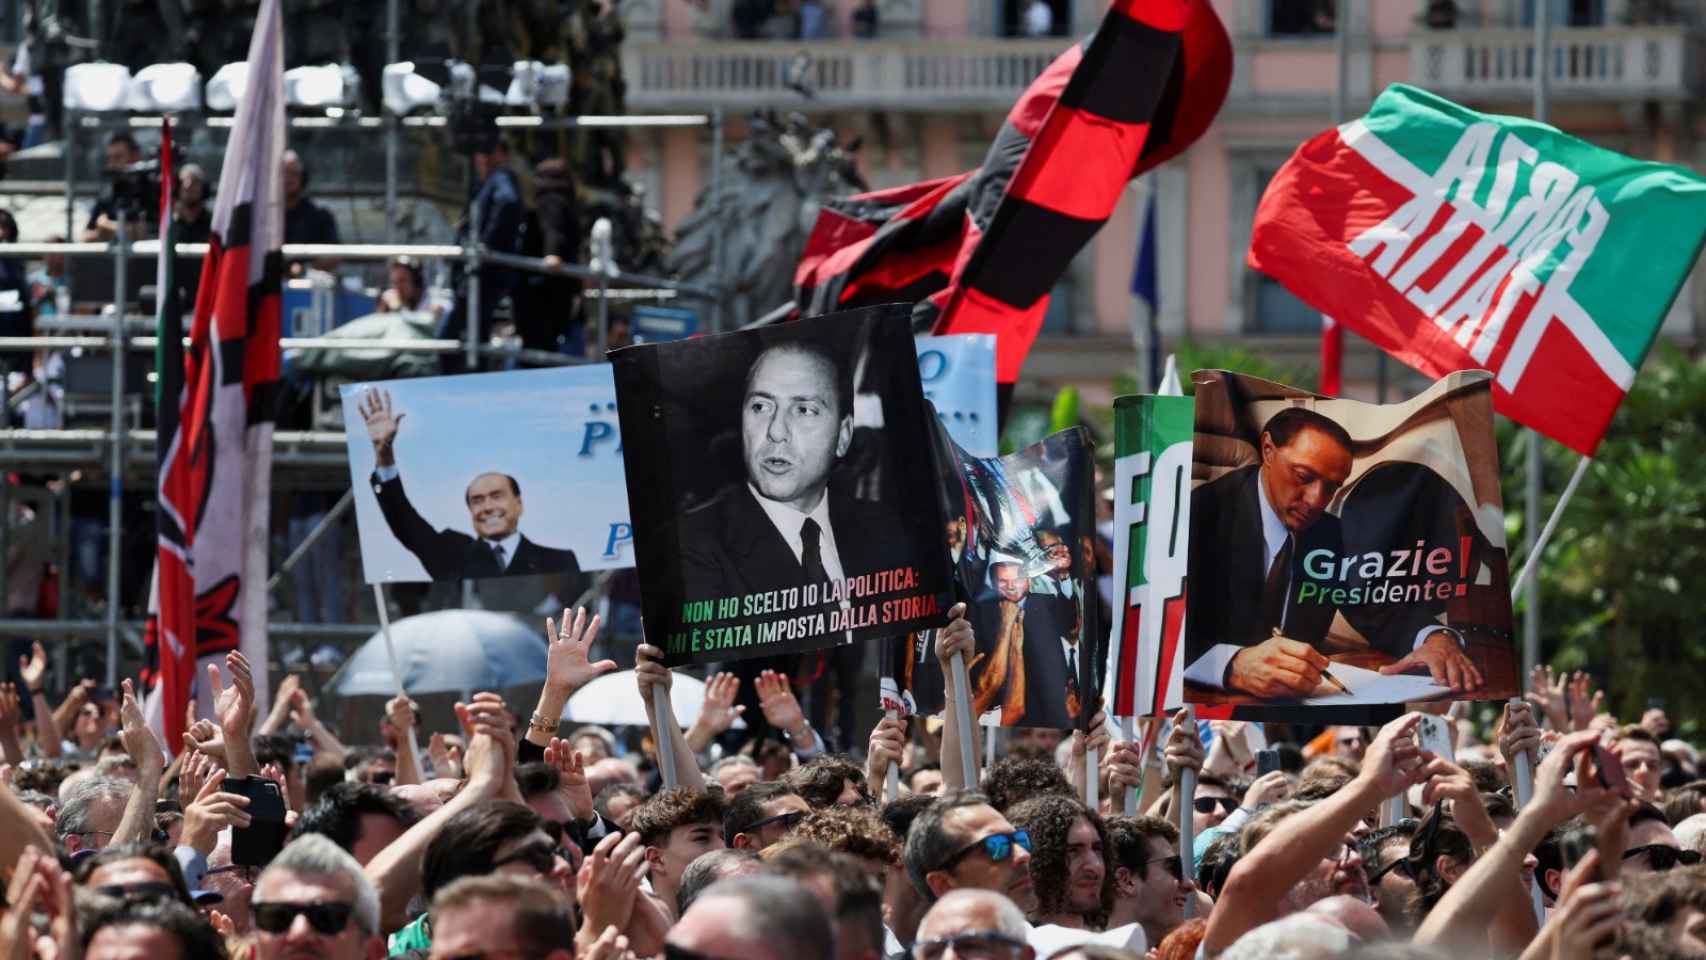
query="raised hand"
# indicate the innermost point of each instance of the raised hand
(649, 672)
(233, 705)
(956, 639)
(1558, 802)
(193, 774)
(1393, 761)
(776, 699)
(1122, 765)
(382, 425)
(33, 668)
(1546, 690)
(1270, 787)
(204, 737)
(1588, 916)
(1183, 750)
(490, 760)
(612, 944)
(567, 667)
(10, 712)
(571, 778)
(885, 748)
(1520, 735)
(211, 811)
(1097, 739)
(139, 741)
(719, 711)
(608, 882)
(439, 752)
(400, 712)
(1585, 701)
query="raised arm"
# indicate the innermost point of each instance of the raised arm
(719, 712)
(1258, 884)
(1468, 909)
(955, 640)
(32, 670)
(649, 672)
(11, 715)
(567, 669)
(400, 710)
(235, 708)
(396, 870)
(137, 824)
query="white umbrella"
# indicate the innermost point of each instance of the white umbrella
(614, 699)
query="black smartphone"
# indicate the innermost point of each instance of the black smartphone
(1608, 770)
(256, 844)
(1267, 761)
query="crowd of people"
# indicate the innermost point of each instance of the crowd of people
(269, 837)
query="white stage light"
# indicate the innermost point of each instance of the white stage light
(227, 86)
(165, 88)
(98, 87)
(320, 87)
(406, 91)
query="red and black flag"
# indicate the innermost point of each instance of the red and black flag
(216, 412)
(981, 251)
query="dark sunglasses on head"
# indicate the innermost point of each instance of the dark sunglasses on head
(1662, 858)
(540, 856)
(138, 891)
(788, 820)
(972, 944)
(325, 918)
(998, 847)
(1207, 804)
(1400, 864)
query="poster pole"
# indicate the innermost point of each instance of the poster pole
(891, 778)
(1531, 564)
(664, 713)
(962, 716)
(1187, 828)
(1128, 731)
(1534, 483)
(1092, 788)
(1522, 791)
(396, 668)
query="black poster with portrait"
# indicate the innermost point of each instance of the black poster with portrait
(1020, 531)
(781, 488)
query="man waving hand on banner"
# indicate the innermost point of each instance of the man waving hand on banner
(1268, 518)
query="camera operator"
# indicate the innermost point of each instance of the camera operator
(195, 225)
(304, 220)
(497, 205)
(127, 186)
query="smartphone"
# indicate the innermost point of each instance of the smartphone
(256, 844)
(1433, 734)
(1608, 770)
(1267, 761)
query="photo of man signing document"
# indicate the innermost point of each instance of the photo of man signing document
(1343, 552)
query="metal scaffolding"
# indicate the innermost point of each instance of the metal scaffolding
(127, 450)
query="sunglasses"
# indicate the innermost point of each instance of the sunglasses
(998, 846)
(138, 891)
(1400, 864)
(326, 918)
(1207, 804)
(542, 857)
(978, 944)
(1662, 858)
(788, 820)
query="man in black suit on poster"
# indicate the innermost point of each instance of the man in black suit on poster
(494, 509)
(1261, 522)
(1038, 688)
(786, 526)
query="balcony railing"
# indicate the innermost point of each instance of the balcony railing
(1586, 63)
(922, 75)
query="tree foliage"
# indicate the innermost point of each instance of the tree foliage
(1624, 578)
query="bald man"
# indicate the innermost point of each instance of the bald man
(497, 548)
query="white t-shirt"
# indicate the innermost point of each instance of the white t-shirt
(1049, 939)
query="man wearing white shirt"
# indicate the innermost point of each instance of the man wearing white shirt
(1248, 629)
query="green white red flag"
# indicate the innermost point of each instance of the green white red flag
(1459, 240)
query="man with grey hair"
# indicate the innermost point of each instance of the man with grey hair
(979, 923)
(756, 918)
(1691, 833)
(90, 812)
(1297, 937)
(710, 868)
(735, 773)
(313, 900)
(962, 841)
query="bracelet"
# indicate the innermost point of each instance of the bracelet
(541, 724)
(804, 729)
(34, 691)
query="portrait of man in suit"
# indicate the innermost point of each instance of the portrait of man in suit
(786, 525)
(496, 548)
(1032, 673)
(1260, 522)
